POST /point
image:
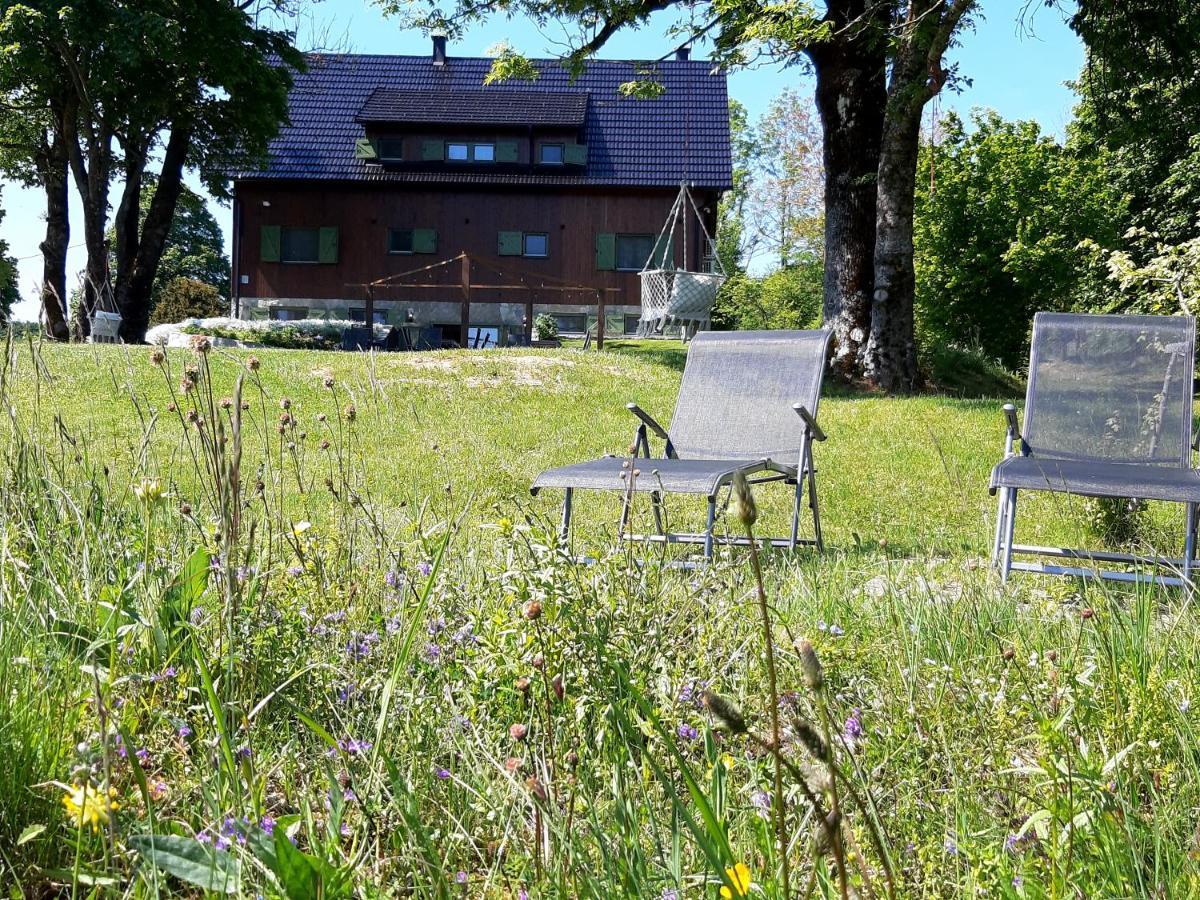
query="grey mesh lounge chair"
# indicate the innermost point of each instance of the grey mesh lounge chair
(747, 403)
(1108, 413)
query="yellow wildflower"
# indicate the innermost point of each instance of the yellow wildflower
(87, 805)
(300, 527)
(739, 877)
(148, 490)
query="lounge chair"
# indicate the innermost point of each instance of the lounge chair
(747, 403)
(1108, 413)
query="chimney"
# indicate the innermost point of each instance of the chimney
(683, 54)
(439, 49)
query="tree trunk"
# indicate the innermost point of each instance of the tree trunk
(889, 358)
(126, 224)
(92, 176)
(53, 172)
(135, 293)
(851, 96)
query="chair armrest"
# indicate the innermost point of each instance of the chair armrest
(648, 420)
(1014, 427)
(809, 422)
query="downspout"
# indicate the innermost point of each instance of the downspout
(235, 275)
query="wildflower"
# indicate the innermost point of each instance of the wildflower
(351, 413)
(424, 568)
(761, 801)
(347, 692)
(436, 626)
(394, 579)
(252, 364)
(441, 774)
(148, 490)
(300, 527)
(267, 825)
(743, 506)
(532, 610)
(1088, 613)
(158, 357)
(243, 752)
(513, 764)
(1184, 705)
(433, 653)
(361, 646)
(950, 846)
(461, 877)
(536, 788)
(687, 732)
(185, 509)
(669, 894)
(739, 877)
(285, 403)
(226, 403)
(222, 842)
(295, 571)
(143, 756)
(329, 381)
(853, 729)
(158, 789)
(87, 805)
(353, 746)
(395, 624)
(518, 731)
(201, 344)
(522, 684)
(465, 635)
(692, 692)
(836, 630)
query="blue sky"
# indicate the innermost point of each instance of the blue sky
(1017, 67)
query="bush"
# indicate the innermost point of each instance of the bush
(186, 298)
(545, 327)
(788, 298)
(298, 334)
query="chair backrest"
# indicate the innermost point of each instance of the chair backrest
(1111, 388)
(738, 389)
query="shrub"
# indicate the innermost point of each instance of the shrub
(545, 327)
(186, 298)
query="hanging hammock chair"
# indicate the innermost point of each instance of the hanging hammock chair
(105, 322)
(674, 296)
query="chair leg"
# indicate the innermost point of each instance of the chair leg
(796, 501)
(1010, 528)
(626, 507)
(815, 504)
(1001, 510)
(1189, 542)
(565, 528)
(656, 503)
(708, 528)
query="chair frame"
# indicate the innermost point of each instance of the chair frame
(802, 476)
(1003, 546)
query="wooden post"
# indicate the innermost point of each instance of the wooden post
(600, 315)
(465, 316)
(371, 312)
(529, 319)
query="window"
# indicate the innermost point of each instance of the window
(359, 314)
(288, 313)
(300, 245)
(400, 240)
(391, 149)
(633, 250)
(550, 154)
(537, 245)
(571, 323)
(458, 152)
(483, 152)
(631, 324)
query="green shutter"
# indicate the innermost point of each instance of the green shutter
(509, 243)
(575, 154)
(507, 151)
(364, 148)
(606, 252)
(270, 244)
(433, 150)
(424, 240)
(327, 244)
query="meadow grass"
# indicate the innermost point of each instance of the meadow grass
(369, 668)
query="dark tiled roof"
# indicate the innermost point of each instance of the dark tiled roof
(683, 134)
(485, 106)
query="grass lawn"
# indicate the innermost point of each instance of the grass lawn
(339, 649)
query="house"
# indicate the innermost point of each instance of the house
(556, 190)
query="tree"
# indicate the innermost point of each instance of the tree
(200, 85)
(787, 181)
(734, 243)
(999, 232)
(924, 30)
(9, 292)
(194, 248)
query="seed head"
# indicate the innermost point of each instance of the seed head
(728, 714)
(556, 685)
(522, 684)
(518, 731)
(351, 413)
(539, 662)
(185, 509)
(810, 738)
(329, 381)
(810, 666)
(226, 402)
(743, 506)
(253, 364)
(158, 357)
(532, 610)
(536, 788)
(201, 344)
(1088, 613)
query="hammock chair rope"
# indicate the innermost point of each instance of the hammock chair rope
(672, 296)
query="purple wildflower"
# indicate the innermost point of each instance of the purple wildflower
(951, 846)
(203, 837)
(184, 732)
(433, 653)
(761, 801)
(836, 630)
(691, 692)
(424, 568)
(1012, 843)
(267, 825)
(853, 729)
(347, 692)
(222, 842)
(295, 571)
(669, 894)
(143, 756)
(353, 746)
(441, 773)
(436, 626)
(394, 580)
(461, 877)
(466, 635)
(243, 752)
(360, 645)
(345, 830)
(687, 732)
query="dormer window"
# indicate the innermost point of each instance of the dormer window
(459, 152)
(550, 154)
(391, 149)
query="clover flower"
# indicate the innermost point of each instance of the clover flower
(87, 805)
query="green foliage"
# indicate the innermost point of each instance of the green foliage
(186, 298)
(9, 290)
(1001, 212)
(545, 327)
(788, 298)
(509, 65)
